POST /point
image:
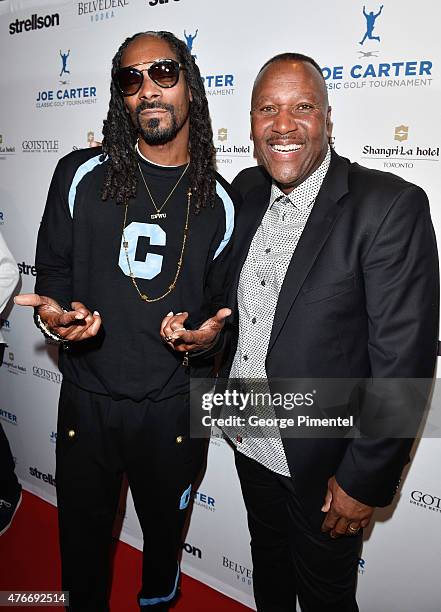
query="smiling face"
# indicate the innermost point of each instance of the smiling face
(161, 115)
(290, 121)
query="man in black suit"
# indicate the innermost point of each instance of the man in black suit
(335, 277)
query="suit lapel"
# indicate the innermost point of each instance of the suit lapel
(318, 228)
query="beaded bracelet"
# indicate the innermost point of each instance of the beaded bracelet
(48, 332)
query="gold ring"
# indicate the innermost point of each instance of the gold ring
(353, 530)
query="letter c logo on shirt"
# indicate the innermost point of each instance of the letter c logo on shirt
(152, 265)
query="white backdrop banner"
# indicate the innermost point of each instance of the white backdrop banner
(381, 65)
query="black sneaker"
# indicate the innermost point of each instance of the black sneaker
(8, 508)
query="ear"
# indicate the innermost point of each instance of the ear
(329, 124)
(190, 95)
(251, 128)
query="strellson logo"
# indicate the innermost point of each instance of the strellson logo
(375, 74)
(401, 156)
(54, 377)
(192, 550)
(33, 471)
(40, 146)
(53, 437)
(27, 269)
(71, 96)
(205, 501)
(361, 566)
(243, 574)
(100, 10)
(2, 217)
(428, 501)
(8, 417)
(35, 22)
(155, 2)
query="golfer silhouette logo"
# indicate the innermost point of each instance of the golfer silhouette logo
(190, 38)
(370, 24)
(64, 70)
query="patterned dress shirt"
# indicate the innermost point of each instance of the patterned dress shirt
(260, 282)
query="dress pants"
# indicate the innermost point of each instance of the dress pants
(9, 484)
(99, 439)
(291, 556)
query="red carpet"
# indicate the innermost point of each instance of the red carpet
(29, 560)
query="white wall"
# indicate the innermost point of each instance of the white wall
(399, 571)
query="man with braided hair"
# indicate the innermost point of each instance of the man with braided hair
(130, 233)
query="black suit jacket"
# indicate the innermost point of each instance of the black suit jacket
(360, 299)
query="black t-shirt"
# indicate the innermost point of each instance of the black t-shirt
(80, 257)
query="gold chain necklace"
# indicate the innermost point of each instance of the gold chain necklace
(144, 296)
(159, 214)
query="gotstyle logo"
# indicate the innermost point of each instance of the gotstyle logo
(48, 98)
(53, 437)
(361, 566)
(205, 501)
(35, 22)
(49, 375)
(100, 10)
(40, 146)
(8, 417)
(414, 72)
(427, 501)
(2, 217)
(243, 574)
(401, 156)
(33, 471)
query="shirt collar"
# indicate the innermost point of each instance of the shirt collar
(304, 195)
(150, 162)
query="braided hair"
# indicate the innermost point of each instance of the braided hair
(120, 136)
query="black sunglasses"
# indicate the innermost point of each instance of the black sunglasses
(163, 72)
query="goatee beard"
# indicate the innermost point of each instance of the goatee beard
(151, 132)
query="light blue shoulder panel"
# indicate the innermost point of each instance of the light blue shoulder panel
(79, 174)
(229, 217)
